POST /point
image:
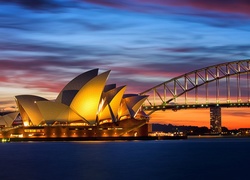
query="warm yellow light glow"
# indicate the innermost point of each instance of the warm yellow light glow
(86, 101)
(101, 106)
(114, 98)
(16, 135)
(26, 123)
(76, 84)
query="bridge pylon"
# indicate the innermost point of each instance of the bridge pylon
(215, 120)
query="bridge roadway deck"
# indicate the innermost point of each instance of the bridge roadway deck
(176, 107)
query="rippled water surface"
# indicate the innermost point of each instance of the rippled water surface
(214, 158)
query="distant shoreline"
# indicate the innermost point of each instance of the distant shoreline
(215, 136)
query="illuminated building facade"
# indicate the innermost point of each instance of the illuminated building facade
(215, 120)
(85, 108)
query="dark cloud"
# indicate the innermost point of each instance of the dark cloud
(181, 49)
(43, 65)
(110, 3)
(200, 56)
(39, 50)
(34, 4)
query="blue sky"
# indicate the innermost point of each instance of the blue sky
(46, 43)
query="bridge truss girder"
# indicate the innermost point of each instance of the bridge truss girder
(166, 93)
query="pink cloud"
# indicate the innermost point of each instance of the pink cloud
(236, 6)
(224, 6)
(32, 74)
(3, 79)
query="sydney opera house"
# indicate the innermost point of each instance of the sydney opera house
(86, 108)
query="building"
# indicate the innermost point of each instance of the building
(86, 108)
(215, 120)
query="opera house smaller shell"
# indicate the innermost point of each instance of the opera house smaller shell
(86, 107)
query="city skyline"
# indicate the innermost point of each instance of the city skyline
(45, 43)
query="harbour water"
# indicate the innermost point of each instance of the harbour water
(195, 158)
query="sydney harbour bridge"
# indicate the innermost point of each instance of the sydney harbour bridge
(219, 86)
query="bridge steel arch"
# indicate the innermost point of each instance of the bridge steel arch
(164, 95)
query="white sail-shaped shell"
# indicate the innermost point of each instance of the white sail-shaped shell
(8, 119)
(131, 104)
(54, 111)
(86, 102)
(113, 99)
(71, 89)
(28, 108)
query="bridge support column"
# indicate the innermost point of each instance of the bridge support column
(215, 120)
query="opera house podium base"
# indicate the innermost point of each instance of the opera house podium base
(130, 129)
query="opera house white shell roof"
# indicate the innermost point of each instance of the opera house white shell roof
(86, 99)
(7, 119)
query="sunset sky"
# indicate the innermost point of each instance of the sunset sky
(46, 43)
